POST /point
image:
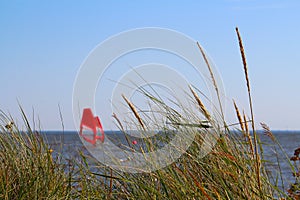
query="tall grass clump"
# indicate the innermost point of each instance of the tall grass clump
(27, 168)
(30, 169)
(233, 169)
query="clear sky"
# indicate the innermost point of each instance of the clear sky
(43, 44)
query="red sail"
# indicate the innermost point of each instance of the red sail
(90, 122)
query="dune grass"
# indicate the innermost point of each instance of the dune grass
(233, 169)
(28, 170)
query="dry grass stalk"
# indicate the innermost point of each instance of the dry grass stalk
(248, 136)
(238, 114)
(209, 67)
(136, 114)
(118, 121)
(251, 107)
(114, 115)
(201, 105)
(198, 184)
(267, 131)
(213, 80)
(243, 58)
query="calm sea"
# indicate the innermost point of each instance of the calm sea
(69, 143)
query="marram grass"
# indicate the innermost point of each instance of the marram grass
(233, 169)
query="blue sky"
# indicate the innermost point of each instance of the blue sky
(43, 44)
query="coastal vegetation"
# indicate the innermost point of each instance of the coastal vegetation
(235, 168)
